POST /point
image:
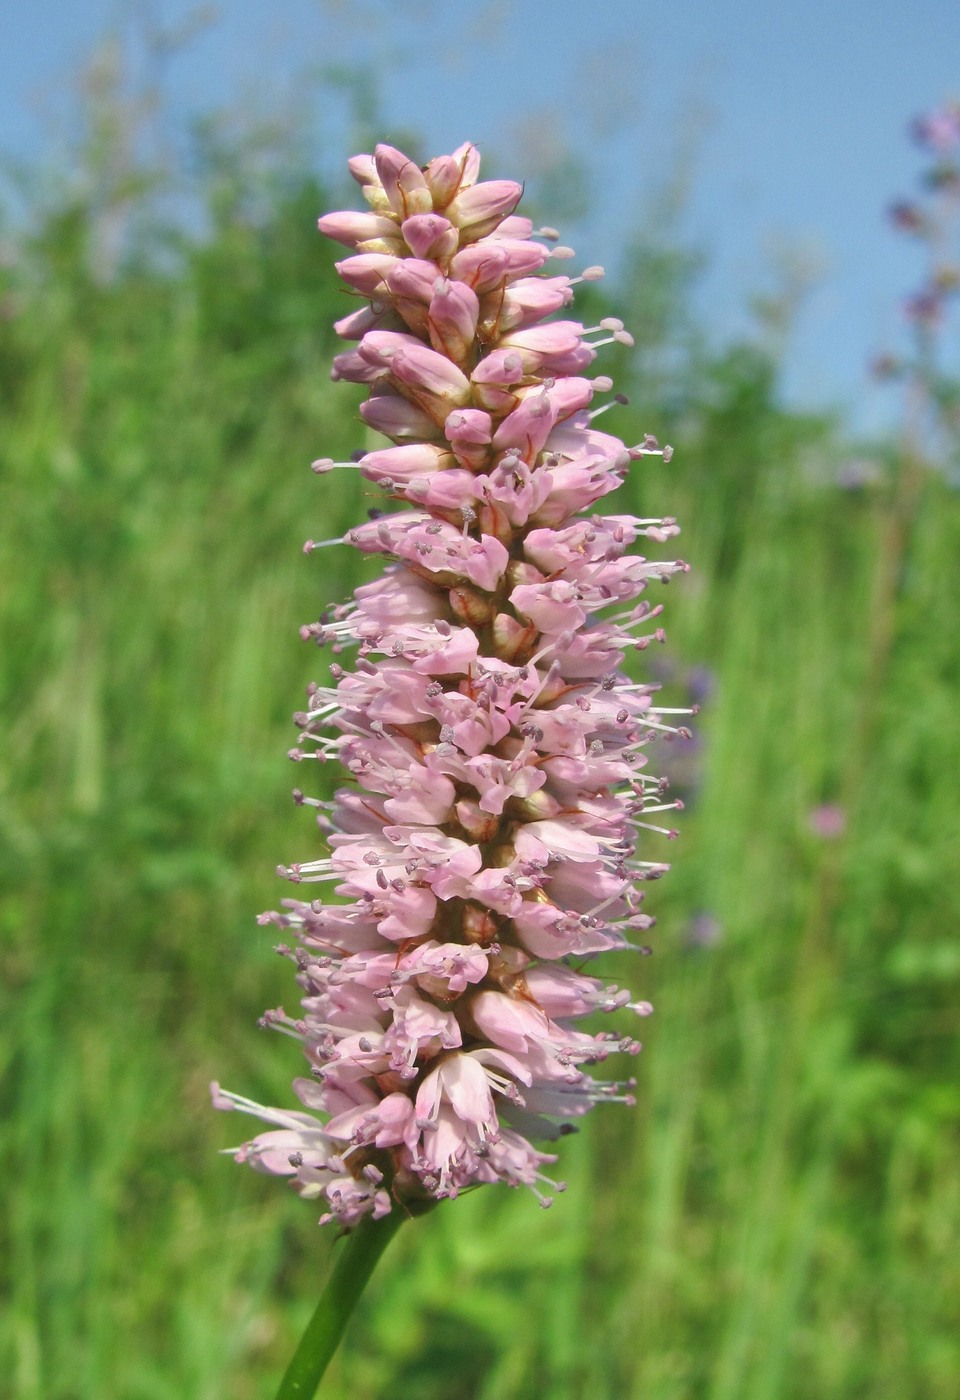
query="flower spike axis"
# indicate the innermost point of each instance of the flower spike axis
(487, 845)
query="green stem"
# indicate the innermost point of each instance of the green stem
(358, 1255)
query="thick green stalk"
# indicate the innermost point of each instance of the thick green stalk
(358, 1256)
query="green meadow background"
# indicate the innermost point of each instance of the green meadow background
(778, 1217)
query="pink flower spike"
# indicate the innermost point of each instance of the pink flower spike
(496, 816)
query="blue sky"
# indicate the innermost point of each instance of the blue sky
(789, 117)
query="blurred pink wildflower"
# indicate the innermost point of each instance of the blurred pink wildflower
(939, 129)
(486, 847)
(828, 821)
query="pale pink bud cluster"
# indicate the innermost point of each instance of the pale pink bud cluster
(486, 846)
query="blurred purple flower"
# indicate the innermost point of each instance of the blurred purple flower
(704, 931)
(924, 308)
(701, 684)
(886, 366)
(857, 473)
(828, 821)
(907, 217)
(938, 130)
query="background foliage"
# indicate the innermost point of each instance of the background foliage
(779, 1215)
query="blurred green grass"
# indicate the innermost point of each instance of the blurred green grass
(779, 1215)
